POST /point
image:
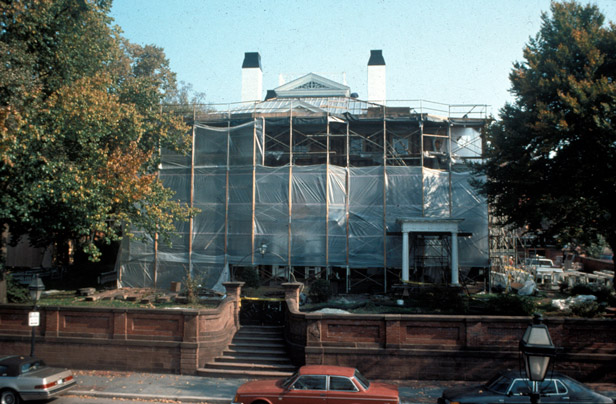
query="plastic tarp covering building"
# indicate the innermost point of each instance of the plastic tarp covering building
(320, 215)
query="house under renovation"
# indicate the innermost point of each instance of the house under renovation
(311, 181)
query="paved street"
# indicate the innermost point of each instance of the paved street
(102, 387)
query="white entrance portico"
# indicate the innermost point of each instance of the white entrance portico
(428, 225)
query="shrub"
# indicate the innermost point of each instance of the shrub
(603, 293)
(445, 299)
(248, 275)
(320, 290)
(15, 292)
(586, 309)
(510, 305)
(581, 289)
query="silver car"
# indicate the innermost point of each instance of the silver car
(24, 378)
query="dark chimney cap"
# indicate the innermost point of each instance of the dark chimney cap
(376, 58)
(251, 59)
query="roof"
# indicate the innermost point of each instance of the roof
(326, 370)
(316, 105)
(14, 363)
(343, 105)
(251, 60)
(376, 58)
(312, 85)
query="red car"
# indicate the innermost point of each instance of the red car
(318, 384)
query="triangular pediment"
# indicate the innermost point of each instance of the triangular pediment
(312, 85)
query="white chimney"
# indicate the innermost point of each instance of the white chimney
(376, 78)
(252, 77)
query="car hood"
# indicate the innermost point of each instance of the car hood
(467, 393)
(261, 387)
(383, 389)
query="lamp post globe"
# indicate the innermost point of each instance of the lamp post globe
(537, 349)
(36, 288)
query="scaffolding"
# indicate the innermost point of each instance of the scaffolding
(314, 187)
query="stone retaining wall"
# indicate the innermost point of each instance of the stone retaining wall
(383, 346)
(443, 347)
(149, 340)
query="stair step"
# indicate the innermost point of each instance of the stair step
(257, 345)
(260, 335)
(255, 351)
(276, 338)
(281, 367)
(260, 330)
(242, 373)
(252, 359)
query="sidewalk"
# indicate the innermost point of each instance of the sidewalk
(197, 389)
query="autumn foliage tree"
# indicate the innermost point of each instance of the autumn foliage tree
(81, 124)
(551, 157)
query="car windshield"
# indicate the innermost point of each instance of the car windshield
(289, 380)
(362, 380)
(498, 384)
(31, 366)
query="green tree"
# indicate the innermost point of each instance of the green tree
(551, 158)
(81, 124)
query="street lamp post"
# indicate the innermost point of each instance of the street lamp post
(36, 287)
(537, 350)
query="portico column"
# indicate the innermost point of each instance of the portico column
(405, 256)
(454, 259)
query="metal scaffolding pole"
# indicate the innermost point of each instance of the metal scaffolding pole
(290, 190)
(226, 239)
(449, 164)
(191, 221)
(346, 205)
(421, 154)
(254, 187)
(327, 201)
(384, 201)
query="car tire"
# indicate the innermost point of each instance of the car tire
(9, 397)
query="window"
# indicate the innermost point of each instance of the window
(31, 366)
(340, 383)
(362, 380)
(289, 380)
(4, 370)
(310, 383)
(401, 146)
(520, 387)
(547, 387)
(499, 384)
(561, 387)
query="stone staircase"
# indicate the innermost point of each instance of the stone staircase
(255, 352)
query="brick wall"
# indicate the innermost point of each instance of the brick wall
(445, 347)
(169, 341)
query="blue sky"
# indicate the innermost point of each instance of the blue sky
(452, 52)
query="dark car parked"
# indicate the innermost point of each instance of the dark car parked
(514, 388)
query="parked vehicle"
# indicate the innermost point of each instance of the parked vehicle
(514, 387)
(544, 270)
(318, 384)
(24, 378)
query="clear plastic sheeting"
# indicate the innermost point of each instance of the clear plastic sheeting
(307, 215)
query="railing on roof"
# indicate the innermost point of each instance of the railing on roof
(333, 105)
